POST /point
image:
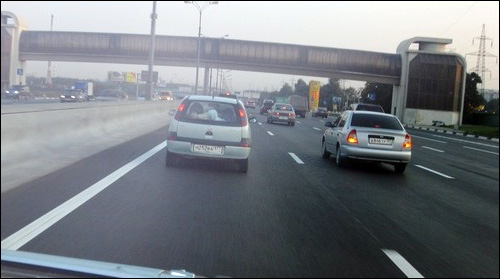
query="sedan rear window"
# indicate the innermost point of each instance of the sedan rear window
(207, 112)
(376, 121)
(283, 107)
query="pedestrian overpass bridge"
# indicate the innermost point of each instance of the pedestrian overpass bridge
(215, 53)
(429, 83)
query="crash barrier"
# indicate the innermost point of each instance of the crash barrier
(39, 139)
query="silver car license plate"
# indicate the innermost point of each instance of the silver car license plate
(208, 149)
(283, 118)
(380, 141)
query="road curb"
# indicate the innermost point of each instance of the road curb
(451, 132)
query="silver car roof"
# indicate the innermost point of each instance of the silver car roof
(212, 99)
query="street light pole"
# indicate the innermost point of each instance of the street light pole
(200, 9)
(151, 54)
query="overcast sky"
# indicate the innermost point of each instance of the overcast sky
(371, 26)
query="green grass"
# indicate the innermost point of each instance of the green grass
(484, 131)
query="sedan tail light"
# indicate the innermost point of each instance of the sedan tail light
(407, 143)
(172, 136)
(180, 109)
(352, 137)
(246, 142)
(291, 114)
(275, 113)
(243, 117)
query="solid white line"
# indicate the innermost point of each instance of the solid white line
(471, 142)
(436, 172)
(318, 129)
(296, 158)
(413, 136)
(433, 149)
(402, 264)
(297, 121)
(271, 134)
(480, 150)
(24, 235)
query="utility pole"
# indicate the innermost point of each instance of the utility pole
(150, 90)
(481, 55)
(48, 81)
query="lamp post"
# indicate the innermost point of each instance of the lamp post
(200, 9)
(217, 75)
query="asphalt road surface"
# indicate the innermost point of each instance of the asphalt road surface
(293, 215)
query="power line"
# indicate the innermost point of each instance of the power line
(481, 57)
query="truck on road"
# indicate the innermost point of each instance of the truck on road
(299, 104)
(87, 88)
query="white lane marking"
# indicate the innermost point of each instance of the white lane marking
(479, 150)
(260, 123)
(322, 121)
(297, 121)
(436, 172)
(271, 134)
(433, 149)
(26, 234)
(402, 264)
(467, 141)
(296, 158)
(317, 129)
(413, 136)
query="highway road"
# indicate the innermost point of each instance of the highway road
(293, 215)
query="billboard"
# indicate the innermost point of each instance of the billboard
(130, 77)
(145, 76)
(314, 87)
(115, 76)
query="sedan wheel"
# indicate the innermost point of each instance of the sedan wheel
(170, 159)
(338, 158)
(243, 165)
(325, 154)
(399, 168)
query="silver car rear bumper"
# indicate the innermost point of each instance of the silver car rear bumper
(389, 156)
(184, 148)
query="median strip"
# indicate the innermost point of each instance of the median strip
(296, 158)
(26, 234)
(435, 172)
(402, 264)
(471, 142)
(480, 150)
(433, 149)
(414, 136)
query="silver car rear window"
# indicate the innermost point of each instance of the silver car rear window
(376, 121)
(213, 113)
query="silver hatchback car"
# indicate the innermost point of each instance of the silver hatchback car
(211, 128)
(370, 136)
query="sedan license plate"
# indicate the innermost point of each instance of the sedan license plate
(380, 141)
(208, 149)
(283, 118)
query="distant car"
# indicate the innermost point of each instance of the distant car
(250, 104)
(438, 123)
(368, 136)
(320, 112)
(266, 105)
(209, 128)
(20, 92)
(282, 113)
(228, 95)
(73, 95)
(165, 95)
(111, 95)
(367, 107)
